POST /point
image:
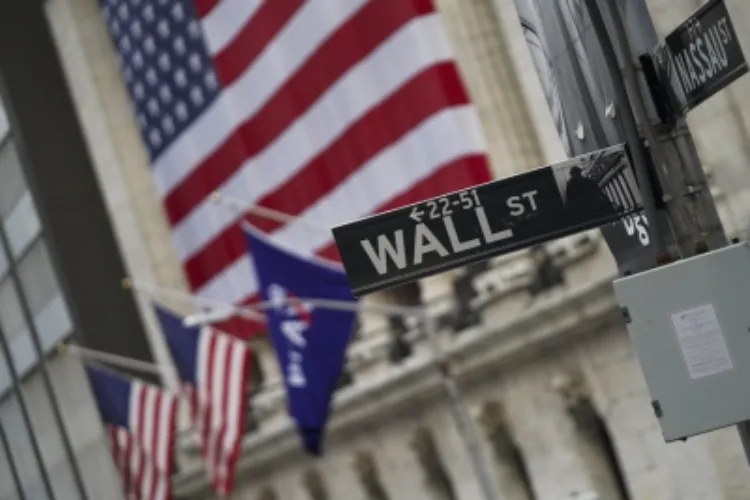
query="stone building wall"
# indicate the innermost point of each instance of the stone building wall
(535, 367)
(554, 368)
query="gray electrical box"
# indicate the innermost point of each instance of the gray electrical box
(690, 325)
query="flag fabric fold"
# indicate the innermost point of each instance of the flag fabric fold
(332, 110)
(215, 371)
(141, 423)
(310, 341)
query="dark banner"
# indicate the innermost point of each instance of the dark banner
(705, 53)
(576, 83)
(488, 220)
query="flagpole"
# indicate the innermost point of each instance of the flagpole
(240, 206)
(253, 310)
(337, 305)
(117, 361)
(151, 289)
(111, 359)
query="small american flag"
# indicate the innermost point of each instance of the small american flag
(141, 423)
(215, 369)
(326, 109)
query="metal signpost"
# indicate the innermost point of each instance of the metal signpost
(491, 219)
(698, 59)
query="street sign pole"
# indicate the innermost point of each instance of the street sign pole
(694, 216)
(629, 121)
(692, 211)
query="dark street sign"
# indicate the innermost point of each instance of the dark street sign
(705, 53)
(487, 220)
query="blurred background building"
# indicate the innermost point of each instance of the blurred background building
(539, 349)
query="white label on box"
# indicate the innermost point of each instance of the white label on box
(702, 341)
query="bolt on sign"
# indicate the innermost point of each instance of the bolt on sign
(487, 220)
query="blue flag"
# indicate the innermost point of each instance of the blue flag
(310, 341)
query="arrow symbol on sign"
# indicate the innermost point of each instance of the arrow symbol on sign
(416, 214)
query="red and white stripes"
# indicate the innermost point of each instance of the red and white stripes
(219, 404)
(144, 454)
(330, 110)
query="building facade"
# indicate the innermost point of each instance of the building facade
(549, 376)
(26, 417)
(60, 277)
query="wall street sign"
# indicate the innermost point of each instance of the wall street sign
(706, 53)
(487, 220)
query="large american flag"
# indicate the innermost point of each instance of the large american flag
(326, 109)
(215, 370)
(141, 424)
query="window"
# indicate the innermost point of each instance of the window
(22, 225)
(11, 316)
(369, 476)
(38, 277)
(12, 183)
(315, 486)
(7, 482)
(267, 493)
(19, 442)
(506, 451)
(399, 348)
(345, 379)
(257, 375)
(593, 429)
(436, 476)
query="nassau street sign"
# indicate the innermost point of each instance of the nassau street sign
(487, 220)
(705, 53)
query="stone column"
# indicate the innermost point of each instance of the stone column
(99, 92)
(653, 468)
(546, 434)
(490, 75)
(591, 436)
(509, 465)
(88, 59)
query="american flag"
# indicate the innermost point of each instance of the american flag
(215, 370)
(141, 423)
(329, 110)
